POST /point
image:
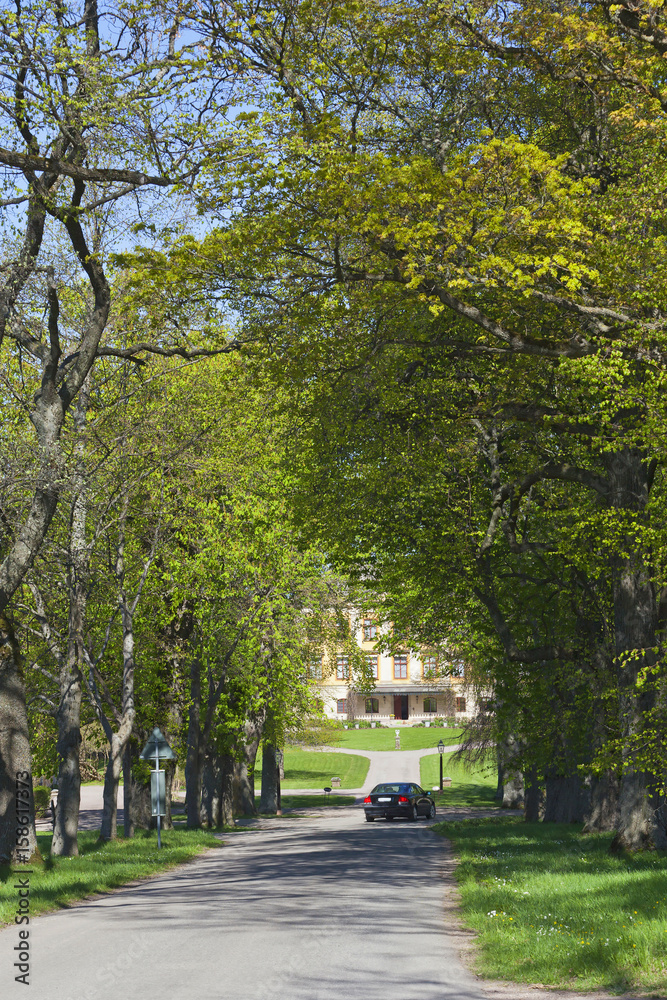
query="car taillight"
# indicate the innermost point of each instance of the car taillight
(367, 799)
(402, 799)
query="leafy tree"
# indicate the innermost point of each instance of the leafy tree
(480, 163)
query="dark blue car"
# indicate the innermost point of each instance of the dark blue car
(399, 798)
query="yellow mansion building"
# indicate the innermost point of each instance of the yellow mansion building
(409, 685)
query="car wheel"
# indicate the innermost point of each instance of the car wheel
(413, 815)
(431, 814)
(389, 818)
(370, 819)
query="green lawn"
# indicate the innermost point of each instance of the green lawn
(552, 905)
(384, 739)
(315, 769)
(475, 787)
(99, 868)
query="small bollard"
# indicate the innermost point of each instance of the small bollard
(398, 739)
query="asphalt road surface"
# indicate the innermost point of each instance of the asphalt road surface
(326, 908)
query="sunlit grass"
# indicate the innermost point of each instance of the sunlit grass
(98, 868)
(384, 739)
(470, 786)
(552, 905)
(315, 769)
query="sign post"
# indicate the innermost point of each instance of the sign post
(156, 749)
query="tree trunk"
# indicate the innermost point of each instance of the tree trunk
(635, 628)
(128, 792)
(564, 800)
(109, 829)
(18, 839)
(243, 790)
(533, 796)
(194, 761)
(65, 830)
(227, 790)
(211, 795)
(501, 777)
(268, 801)
(602, 813)
(513, 791)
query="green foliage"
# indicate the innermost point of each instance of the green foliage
(42, 796)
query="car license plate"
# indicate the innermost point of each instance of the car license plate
(387, 799)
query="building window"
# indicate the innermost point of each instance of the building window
(341, 706)
(460, 704)
(315, 669)
(372, 662)
(342, 668)
(430, 706)
(485, 705)
(429, 665)
(401, 666)
(372, 706)
(370, 629)
(457, 669)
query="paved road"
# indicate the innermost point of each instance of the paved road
(386, 765)
(328, 908)
(90, 810)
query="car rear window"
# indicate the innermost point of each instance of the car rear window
(390, 788)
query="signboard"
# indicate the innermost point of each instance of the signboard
(156, 741)
(157, 749)
(158, 794)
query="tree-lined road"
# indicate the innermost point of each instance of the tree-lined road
(301, 909)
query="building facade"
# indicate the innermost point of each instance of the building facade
(410, 686)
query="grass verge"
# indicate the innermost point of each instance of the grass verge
(552, 906)
(384, 739)
(470, 787)
(315, 769)
(98, 868)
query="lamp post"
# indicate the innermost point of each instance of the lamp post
(441, 750)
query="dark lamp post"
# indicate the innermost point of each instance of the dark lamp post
(441, 750)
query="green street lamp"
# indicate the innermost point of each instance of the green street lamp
(441, 750)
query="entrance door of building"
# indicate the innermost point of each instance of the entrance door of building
(401, 706)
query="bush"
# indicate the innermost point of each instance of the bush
(42, 800)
